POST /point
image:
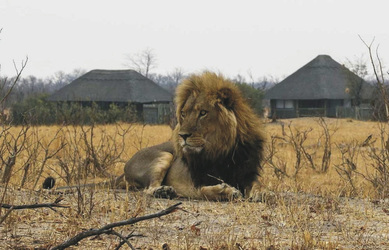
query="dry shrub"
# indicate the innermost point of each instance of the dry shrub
(91, 151)
(303, 152)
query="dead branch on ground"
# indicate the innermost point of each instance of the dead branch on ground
(33, 206)
(2, 219)
(108, 229)
(125, 240)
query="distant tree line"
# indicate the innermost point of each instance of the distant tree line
(30, 86)
(28, 100)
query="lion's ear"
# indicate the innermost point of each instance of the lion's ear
(226, 97)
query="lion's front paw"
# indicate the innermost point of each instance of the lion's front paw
(165, 192)
(221, 192)
(236, 195)
(231, 193)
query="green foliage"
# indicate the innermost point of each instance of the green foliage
(37, 110)
(253, 96)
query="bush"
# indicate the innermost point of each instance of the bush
(253, 96)
(34, 110)
(37, 110)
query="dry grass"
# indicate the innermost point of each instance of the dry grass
(311, 209)
(137, 137)
(345, 133)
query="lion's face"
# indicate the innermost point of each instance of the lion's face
(205, 124)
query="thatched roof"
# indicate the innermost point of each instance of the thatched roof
(321, 78)
(112, 86)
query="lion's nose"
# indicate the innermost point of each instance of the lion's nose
(184, 135)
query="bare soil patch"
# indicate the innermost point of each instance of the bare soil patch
(293, 220)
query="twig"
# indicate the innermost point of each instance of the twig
(33, 206)
(124, 239)
(6, 215)
(107, 228)
(218, 179)
(15, 81)
(128, 237)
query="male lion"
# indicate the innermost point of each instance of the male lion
(215, 151)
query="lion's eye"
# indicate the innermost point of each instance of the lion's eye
(182, 114)
(203, 113)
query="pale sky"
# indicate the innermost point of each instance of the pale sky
(266, 38)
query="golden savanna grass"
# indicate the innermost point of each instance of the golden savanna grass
(52, 137)
(310, 210)
(343, 133)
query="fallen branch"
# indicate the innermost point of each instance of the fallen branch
(108, 229)
(6, 215)
(125, 240)
(33, 206)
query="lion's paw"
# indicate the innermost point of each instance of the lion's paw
(165, 192)
(236, 195)
(221, 192)
(231, 192)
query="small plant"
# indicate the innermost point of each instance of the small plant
(92, 150)
(349, 164)
(273, 160)
(378, 160)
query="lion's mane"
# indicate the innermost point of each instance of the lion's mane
(237, 143)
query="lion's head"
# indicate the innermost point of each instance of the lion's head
(213, 117)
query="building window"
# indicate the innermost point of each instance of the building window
(288, 104)
(280, 104)
(284, 104)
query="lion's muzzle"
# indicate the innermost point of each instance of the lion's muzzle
(184, 135)
(191, 143)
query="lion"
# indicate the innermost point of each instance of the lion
(216, 148)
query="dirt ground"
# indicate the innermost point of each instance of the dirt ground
(291, 221)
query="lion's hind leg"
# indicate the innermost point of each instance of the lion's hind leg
(157, 172)
(147, 170)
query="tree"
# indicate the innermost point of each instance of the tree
(143, 62)
(252, 95)
(60, 79)
(379, 76)
(6, 85)
(355, 84)
(170, 80)
(177, 75)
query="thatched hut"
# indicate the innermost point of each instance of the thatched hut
(322, 87)
(152, 103)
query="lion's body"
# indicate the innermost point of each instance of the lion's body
(216, 149)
